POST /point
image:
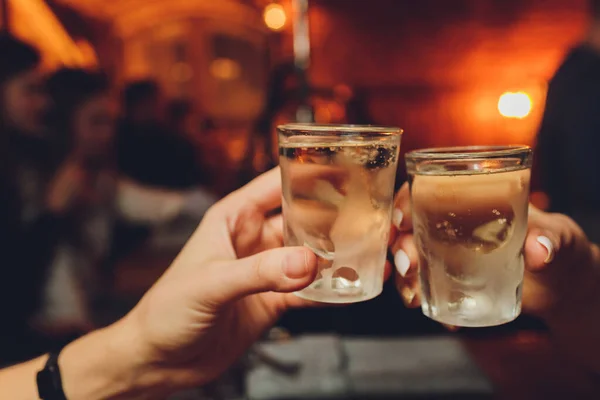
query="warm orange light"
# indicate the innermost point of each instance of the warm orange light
(225, 69)
(34, 21)
(181, 72)
(274, 16)
(514, 105)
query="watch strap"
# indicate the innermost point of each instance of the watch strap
(49, 382)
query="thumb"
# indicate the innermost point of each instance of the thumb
(286, 269)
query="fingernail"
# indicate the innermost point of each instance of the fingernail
(544, 241)
(295, 265)
(408, 295)
(397, 216)
(402, 262)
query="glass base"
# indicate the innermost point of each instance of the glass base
(466, 318)
(329, 296)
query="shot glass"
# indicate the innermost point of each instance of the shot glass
(469, 207)
(338, 190)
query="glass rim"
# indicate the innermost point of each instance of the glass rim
(320, 129)
(468, 152)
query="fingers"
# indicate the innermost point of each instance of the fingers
(406, 262)
(306, 177)
(540, 249)
(557, 263)
(404, 250)
(275, 224)
(278, 270)
(552, 239)
(263, 193)
(401, 216)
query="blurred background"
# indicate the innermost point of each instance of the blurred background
(139, 114)
(437, 69)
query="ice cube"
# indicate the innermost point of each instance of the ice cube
(356, 155)
(381, 157)
(492, 235)
(481, 230)
(321, 155)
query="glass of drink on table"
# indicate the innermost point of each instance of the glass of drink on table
(338, 190)
(469, 208)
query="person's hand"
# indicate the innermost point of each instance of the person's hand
(561, 264)
(562, 268)
(561, 283)
(404, 250)
(230, 283)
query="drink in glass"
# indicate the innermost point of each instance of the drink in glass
(338, 190)
(470, 221)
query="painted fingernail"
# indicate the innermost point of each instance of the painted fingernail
(544, 241)
(402, 262)
(397, 217)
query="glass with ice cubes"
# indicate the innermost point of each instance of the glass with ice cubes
(469, 207)
(338, 190)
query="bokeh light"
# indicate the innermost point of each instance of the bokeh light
(225, 69)
(274, 16)
(514, 105)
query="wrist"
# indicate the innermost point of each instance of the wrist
(106, 364)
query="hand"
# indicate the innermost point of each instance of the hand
(230, 283)
(561, 282)
(561, 265)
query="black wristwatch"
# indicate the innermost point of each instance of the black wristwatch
(49, 382)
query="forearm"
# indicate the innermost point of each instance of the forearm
(19, 380)
(101, 365)
(576, 330)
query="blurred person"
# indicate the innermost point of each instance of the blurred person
(281, 101)
(82, 119)
(561, 285)
(30, 221)
(225, 289)
(185, 123)
(356, 104)
(23, 99)
(143, 103)
(148, 151)
(158, 174)
(180, 118)
(569, 136)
